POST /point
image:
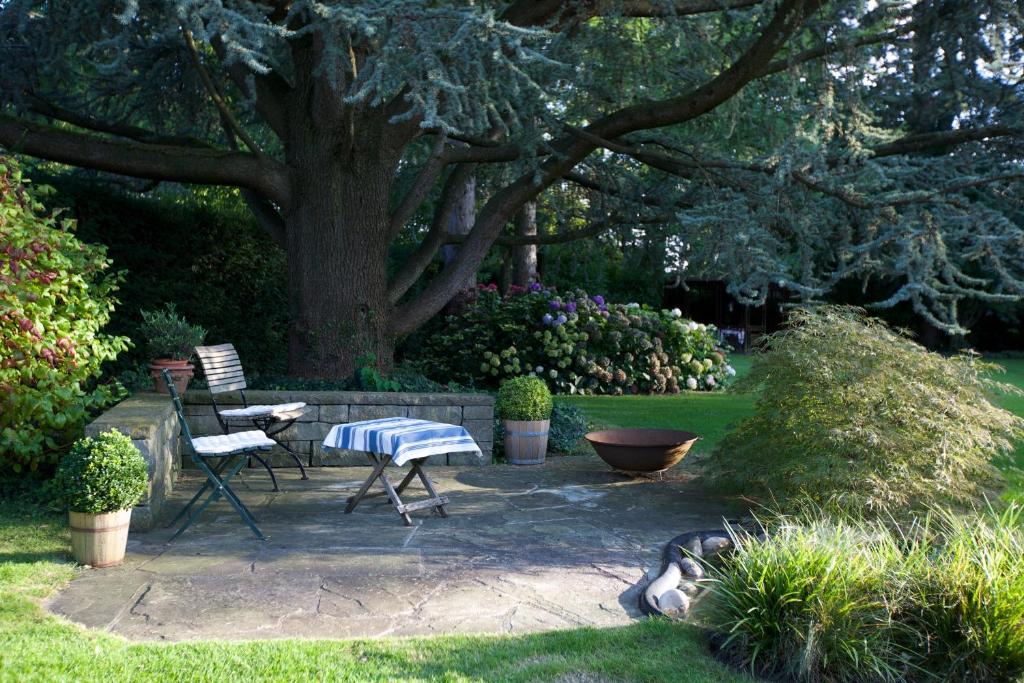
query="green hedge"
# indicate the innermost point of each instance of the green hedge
(200, 250)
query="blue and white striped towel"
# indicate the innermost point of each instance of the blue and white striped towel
(404, 438)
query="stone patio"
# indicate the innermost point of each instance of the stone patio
(557, 546)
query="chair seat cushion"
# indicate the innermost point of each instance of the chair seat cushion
(281, 411)
(226, 444)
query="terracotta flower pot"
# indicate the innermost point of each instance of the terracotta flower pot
(526, 441)
(181, 373)
(99, 540)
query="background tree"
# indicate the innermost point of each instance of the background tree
(339, 121)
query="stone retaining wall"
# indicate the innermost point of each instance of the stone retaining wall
(325, 409)
(149, 420)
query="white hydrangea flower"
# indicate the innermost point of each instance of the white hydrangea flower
(691, 383)
(676, 313)
(710, 380)
(539, 369)
(692, 326)
(730, 370)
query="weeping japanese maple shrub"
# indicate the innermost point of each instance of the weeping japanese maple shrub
(856, 414)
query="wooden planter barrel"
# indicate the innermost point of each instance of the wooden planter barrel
(99, 540)
(526, 441)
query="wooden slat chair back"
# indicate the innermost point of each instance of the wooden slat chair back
(219, 449)
(223, 371)
(222, 368)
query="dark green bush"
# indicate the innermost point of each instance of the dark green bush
(852, 600)
(200, 249)
(101, 475)
(523, 398)
(568, 425)
(56, 297)
(853, 412)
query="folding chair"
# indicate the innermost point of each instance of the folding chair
(223, 372)
(213, 455)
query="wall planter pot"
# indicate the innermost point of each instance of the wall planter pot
(526, 441)
(181, 373)
(99, 540)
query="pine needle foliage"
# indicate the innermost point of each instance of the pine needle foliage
(853, 412)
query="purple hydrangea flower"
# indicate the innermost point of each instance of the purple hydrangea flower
(571, 307)
(604, 313)
(555, 305)
(535, 287)
(547, 319)
(603, 308)
(562, 319)
(599, 300)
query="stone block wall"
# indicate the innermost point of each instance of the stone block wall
(149, 420)
(324, 409)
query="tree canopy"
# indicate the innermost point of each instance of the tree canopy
(787, 142)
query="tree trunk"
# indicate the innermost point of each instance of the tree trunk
(337, 241)
(524, 256)
(461, 223)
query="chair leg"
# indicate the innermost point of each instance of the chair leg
(269, 469)
(220, 487)
(202, 489)
(271, 428)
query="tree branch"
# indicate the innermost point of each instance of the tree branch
(142, 160)
(211, 89)
(420, 188)
(544, 12)
(418, 261)
(43, 107)
(271, 90)
(789, 16)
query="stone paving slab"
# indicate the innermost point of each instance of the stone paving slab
(524, 549)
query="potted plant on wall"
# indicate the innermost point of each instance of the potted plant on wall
(100, 480)
(171, 341)
(524, 405)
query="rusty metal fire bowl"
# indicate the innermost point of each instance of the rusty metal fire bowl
(641, 450)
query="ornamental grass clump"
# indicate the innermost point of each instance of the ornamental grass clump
(809, 604)
(102, 475)
(965, 602)
(855, 413)
(524, 398)
(832, 599)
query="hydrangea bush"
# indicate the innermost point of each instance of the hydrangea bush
(576, 343)
(56, 294)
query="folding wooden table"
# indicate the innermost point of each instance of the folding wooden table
(401, 440)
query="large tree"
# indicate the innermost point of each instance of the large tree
(341, 121)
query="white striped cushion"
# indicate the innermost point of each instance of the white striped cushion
(224, 444)
(279, 410)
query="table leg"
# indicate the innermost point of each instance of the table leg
(427, 484)
(395, 500)
(380, 464)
